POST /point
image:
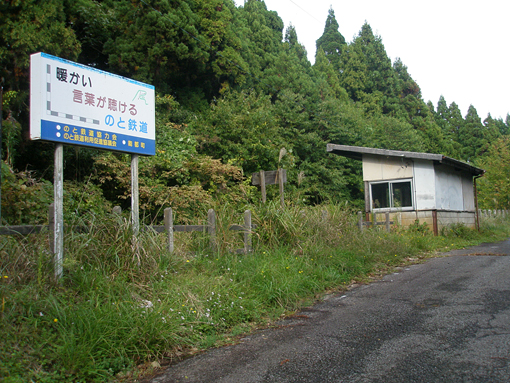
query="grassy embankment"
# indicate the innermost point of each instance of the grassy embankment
(123, 305)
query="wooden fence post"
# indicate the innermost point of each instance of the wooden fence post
(247, 232)
(360, 221)
(263, 185)
(211, 221)
(388, 227)
(280, 184)
(169, 228)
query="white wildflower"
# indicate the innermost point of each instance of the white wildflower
(146, 304)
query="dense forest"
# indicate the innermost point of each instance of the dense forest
(235, 94)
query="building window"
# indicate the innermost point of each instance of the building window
(392, 195)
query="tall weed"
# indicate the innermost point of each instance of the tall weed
(124, 302)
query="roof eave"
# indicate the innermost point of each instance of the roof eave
(357, 152)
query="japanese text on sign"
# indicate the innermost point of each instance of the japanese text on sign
(71, 96)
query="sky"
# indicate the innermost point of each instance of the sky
(455, 48)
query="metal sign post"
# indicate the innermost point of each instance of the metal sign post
(135, 216)
(1, 117)
(75, 104)
(58, 192)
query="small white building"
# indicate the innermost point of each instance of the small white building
(428, 188)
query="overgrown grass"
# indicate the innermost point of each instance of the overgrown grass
(123, 303)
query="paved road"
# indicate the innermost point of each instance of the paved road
(447, 320)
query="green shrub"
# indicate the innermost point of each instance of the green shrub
(25, 199)
(459, 230)
(418, 228)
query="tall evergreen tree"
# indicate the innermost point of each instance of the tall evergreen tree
(456, 122)
(28, 27)
(442, 116)
(494, 186)
(324, 68)
(261, 33)
(94, 23)
(354, 73)
(406, 100)
(331, 42)
(443, 119)
(291, 71)
(186, 47)
(292, 39)
(472, 136)
(380, 74)
(367, 73)
(495, 127)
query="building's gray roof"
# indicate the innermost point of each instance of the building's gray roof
(356, 152)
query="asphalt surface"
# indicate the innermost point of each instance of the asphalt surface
(447, 320)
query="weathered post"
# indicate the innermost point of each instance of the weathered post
(58, 196)
(435, 227)
(247, 232)
(388, 227)
(280, 184)
(135, 217)
(1, 117)
(51, 226)
(169, 228)
(211, 222)
(263, 185)
(270, 177)
(360, 220)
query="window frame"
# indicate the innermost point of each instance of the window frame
(391, 195)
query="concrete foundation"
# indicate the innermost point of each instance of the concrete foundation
(434, 219)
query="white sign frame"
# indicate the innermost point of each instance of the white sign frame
(75, 104)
